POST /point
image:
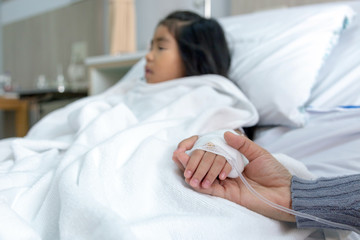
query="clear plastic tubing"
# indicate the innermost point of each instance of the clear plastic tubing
(293, 212)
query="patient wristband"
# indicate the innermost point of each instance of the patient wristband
(214, 142)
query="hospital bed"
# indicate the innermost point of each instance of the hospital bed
(97, 169)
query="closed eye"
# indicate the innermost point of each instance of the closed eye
(161, 43)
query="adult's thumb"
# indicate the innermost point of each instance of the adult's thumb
(245, 146)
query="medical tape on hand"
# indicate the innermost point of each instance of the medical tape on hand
(214, 142)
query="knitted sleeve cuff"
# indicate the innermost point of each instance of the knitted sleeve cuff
(334, 199)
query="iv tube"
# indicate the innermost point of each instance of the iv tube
(293, 212)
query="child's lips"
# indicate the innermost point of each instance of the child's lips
(148, 70)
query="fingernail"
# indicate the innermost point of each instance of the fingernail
(194, 182)
(206, 184)
(222, 176)
(188, 174)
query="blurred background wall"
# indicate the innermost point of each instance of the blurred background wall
(40, 36)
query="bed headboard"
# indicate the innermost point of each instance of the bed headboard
(248, 6)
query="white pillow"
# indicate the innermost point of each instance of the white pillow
(338, 82)
(276, 56)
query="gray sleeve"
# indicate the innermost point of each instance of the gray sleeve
(334, 199)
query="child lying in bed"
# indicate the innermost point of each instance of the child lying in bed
(184, 45)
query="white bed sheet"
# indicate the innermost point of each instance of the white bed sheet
(329, 145)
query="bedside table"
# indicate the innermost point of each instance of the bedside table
(21, 108)
(27, 105)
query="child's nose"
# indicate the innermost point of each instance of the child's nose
(149, 56)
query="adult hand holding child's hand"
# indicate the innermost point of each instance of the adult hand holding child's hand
(264, 173)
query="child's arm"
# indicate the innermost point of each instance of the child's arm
(201, 168)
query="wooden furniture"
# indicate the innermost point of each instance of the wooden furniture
(21, 108)
(28, 105)
(105, 71)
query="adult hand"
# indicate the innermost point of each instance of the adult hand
(264, 173)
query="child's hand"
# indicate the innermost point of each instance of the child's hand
(204, 167)
(201, 168)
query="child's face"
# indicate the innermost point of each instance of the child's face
(163, 61)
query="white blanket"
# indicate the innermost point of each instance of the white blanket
(101, 168)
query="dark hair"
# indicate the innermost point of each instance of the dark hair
(201, 41)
